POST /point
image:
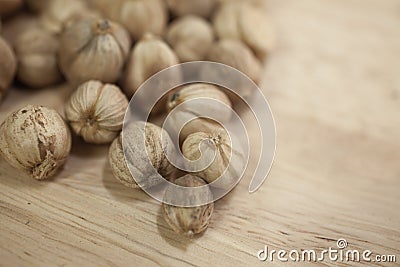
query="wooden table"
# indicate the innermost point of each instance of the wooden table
(334, 86)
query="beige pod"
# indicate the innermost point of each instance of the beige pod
(137, 16)
(156, 147)
(188, 221)
(36, 52)
(204, 8)
(96, 111)
(236, 54)
(257, 3)
(118, 164)
(200, 91)
(57, 13)
(9, 7)
(36, 140)
(149, 56)
(228, 160)
(18, 24)
(245, 22)
(93, 49)
(190, 37)
(8, 67)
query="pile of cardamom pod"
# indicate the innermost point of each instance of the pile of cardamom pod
(106, 50)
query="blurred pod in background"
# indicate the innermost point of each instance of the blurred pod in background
(8, 66)
(57, 13)
(191, 37)
(247, 23)
(13, 27)
(138, 17)
(36, 52)
(203, 8)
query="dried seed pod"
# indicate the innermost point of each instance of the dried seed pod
(190, 37)
(96, 112)
(235, 54)
(196, 125)
(93, 49)
(187, 109)
(36, 140)
(200, 90)
(258, 3)
(18, 24)
(58, 12)
(8, 66)
(9, 7)
(36, 52)
(188, 221)
(246, 22)
(118, 164)
(155, 152)
(137, 16)
(43, 5)
(202, 8)
(149, 56)
(228, 160)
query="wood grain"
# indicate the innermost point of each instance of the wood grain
(334, 86)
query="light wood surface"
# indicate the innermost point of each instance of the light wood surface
(334, 86)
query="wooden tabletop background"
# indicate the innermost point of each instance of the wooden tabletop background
(334, 87)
